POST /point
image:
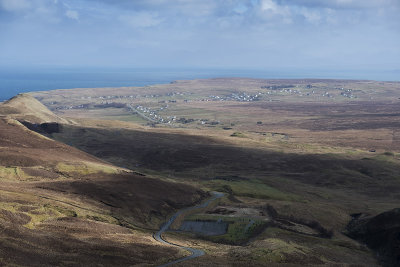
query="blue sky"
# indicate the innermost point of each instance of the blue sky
(259, 34)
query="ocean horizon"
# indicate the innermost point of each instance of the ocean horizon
(14, 81)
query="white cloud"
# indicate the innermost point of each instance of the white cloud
(273, 12)
(343, 4)
(256, 31)
(141, 19)
(361, 3)
(15, 5)
(313, 16)
(240, 9)
(72, 14)
(269, 5)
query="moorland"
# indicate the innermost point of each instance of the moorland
(309, 169)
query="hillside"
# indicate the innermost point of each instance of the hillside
(296, 158)
(26, 108)
(298, 161)
(59, 205)
(381, 233)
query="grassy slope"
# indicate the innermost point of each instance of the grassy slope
(55, 201)
(27, 108)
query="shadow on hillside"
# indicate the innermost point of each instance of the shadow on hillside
(185, 155)
(130, 198)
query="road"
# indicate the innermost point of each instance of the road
(141, 114)
(194, 252)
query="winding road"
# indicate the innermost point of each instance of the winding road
(194, 252)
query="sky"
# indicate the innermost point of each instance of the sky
(258, 34)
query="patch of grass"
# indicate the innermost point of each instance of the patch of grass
(49, 211)
(388, 157)
(10, 173)
(239, 229)
(253, 189)
(65, 211)
(10, 206)
(37, 213)
(238, 134)
(43, 213)
(85, 168)
(277, 250)
(97, 218)
(13, 173)
(128, 118)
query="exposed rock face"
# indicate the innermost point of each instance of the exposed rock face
(381, 233)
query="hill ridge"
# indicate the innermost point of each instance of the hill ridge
(24, 107)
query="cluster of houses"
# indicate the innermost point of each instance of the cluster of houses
(347, 93)
(175, 94)
(327, 94)
(150, 114)
(240, 97)
(292, 92)
(269, 91)
(82, 106)
(278, 87)
(266, 93)
(108, 97)
(290, 89)
(154, 118)
(243, 97)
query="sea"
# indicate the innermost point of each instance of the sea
(15, 80)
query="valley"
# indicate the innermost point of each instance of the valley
(91, 174)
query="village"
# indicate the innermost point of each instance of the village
(153, 107)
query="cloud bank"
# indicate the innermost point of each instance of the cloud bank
(330, 34)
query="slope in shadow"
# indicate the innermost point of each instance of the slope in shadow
(183, 155)
(381, 233)
(132, 199)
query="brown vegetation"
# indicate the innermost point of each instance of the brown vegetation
(59, 205)
(324, 150)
